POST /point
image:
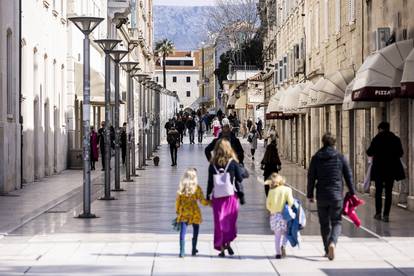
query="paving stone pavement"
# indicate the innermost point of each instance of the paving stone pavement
(133, 236)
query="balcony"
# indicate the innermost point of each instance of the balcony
(119, 8)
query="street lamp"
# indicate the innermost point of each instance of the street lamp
(141, 77)
(129, 67)
(117, 56)
(86, 25)
(107, 45)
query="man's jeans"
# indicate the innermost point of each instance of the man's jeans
(191, 134)
(173, 152)
(330, 220)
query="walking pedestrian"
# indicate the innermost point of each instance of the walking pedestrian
(188, 212)
(124, 142)
(386, 151)
(259, 127)
(179, 126)
(252, 139)
(216, 127)
(101, 136)
(191, 126)
(279, 196)
(173, 139)
(244, 129)
(94, 147)
(227, 134)
(225, 188)
(271, 132)
(201, 128)
(326, 169)
(249, 124)
(271, 162)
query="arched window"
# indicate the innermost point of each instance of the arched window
(9, 72)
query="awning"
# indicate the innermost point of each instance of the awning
(291, 105)
(349, 104)
(274, 108)
(97, 84)
(380, 75)
(313, 93)
(304, 95)
(332, 90)
(407, 81)
(231, 102)
(241, 102)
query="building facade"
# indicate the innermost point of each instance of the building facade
(183, 77)
(10, 127)
(318, 53)
(208, 82)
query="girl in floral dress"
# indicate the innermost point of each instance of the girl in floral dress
(188, 195)
(279, 195)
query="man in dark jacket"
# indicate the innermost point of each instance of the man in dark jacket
(386, 152)
(226, 133)
(124, 142)
(191, 125)
(173, 139)
(179, 126)
(325, 174)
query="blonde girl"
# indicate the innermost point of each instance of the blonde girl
(279, 195)
(188, 212)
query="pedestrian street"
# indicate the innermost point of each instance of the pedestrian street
(133, 236)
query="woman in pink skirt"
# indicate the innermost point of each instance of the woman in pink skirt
(225, 189)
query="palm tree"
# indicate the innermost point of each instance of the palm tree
(164, 48)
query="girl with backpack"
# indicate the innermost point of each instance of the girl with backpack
(279, 196)
(224, 187)
(188, 212)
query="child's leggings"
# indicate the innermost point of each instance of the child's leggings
(183, 231)
(280, 240)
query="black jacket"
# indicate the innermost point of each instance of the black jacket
(386, 150)
(235, 144)
(190, 124)
(179, 125)
(173, 138)
(236, 176)
(271, 160)
(325, 173)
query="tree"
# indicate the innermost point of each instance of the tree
(235, 22)
(164, 48)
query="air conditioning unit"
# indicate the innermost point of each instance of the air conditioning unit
(382, 35)
(299, 66)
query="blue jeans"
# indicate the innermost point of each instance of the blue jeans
(183, 231)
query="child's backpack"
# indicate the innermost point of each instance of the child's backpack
(222, 182)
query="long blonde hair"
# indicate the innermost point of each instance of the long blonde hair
(223, 152)
(275, 180)
(188, 183)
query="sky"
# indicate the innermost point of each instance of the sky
(185, 2)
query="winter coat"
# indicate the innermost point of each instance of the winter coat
(179, 125)
(235, 144)
(253, 136)
(173, 138)
(325, 173)
(386, 151)
(271, 161)
(94, 146)
(191, 125)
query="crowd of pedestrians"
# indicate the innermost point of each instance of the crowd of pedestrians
(325, 186)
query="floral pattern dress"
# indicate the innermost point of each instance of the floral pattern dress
(187, 208)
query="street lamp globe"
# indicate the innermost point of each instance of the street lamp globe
(86, 24)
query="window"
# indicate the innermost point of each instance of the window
(174, 79)
(338, 16)
(156, 79)
(188, 93)
(317, 26)
(351, 11)
(285, 68)
(188, 79)
(276, 75)
(62, 7)
(280, 71)
(9, 79)
(326, 19)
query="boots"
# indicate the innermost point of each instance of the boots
(182, 248)
(194, 250)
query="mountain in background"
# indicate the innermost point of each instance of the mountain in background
(185, 26)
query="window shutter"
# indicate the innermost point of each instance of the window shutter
(338, 16)
(276, 74)
(351, 11)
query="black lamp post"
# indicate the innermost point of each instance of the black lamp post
(107, 45)
(117, 56)
(129, 67)
(86, 25)
(140, 77)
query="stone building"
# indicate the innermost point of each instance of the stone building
(341, 46)
(10, 127)
(208, 83)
